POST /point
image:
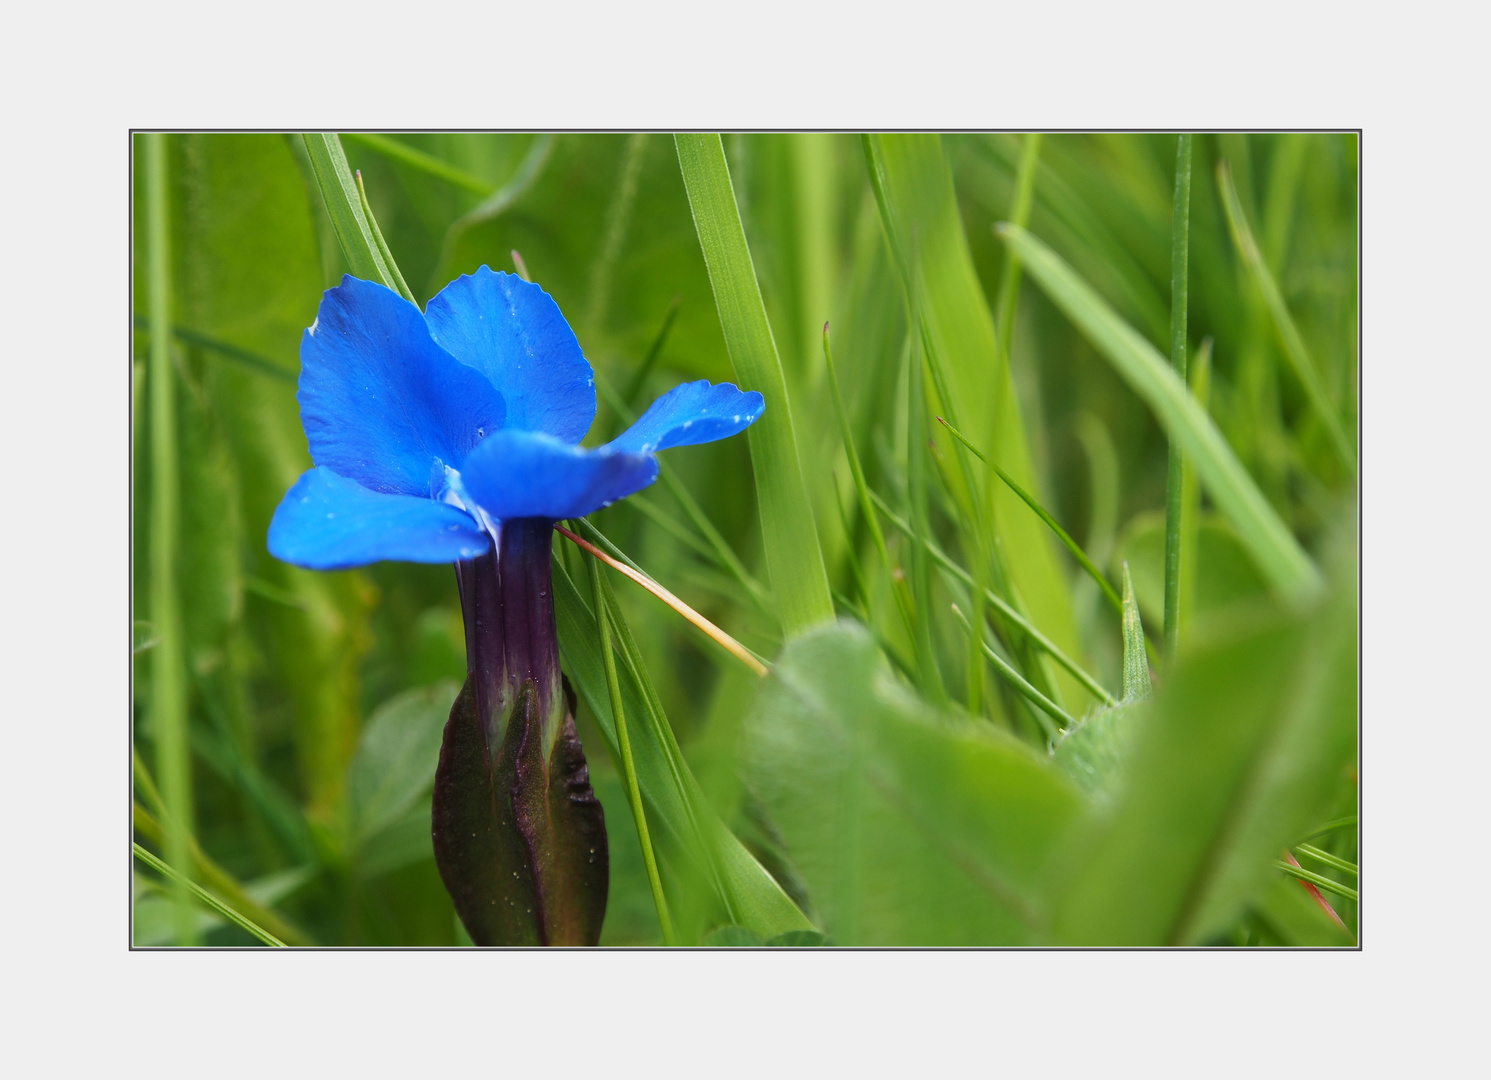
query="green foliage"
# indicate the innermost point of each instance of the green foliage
(909, 827)
(951, 761)
(798, 581)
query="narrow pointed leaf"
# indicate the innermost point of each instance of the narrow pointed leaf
(1136, 682)
(339, 191)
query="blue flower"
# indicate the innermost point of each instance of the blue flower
(453, 436)
(429, 430)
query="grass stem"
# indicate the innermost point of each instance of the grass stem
(168, 719)
(1003, 606)
(1294, 344)
(1047, 707)
(1041, 512)
(1180, 238)
(193, 889)
(628, 766)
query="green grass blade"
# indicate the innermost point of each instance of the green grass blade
(1334, 861)
(862, 489)
(690, 506)
(222, 882)
(1243, 745)
(1041, 512)
(425, 163)
(1052, 649)
(168, 660)
(1279, 556)
(748, 894)
(639, 377)
(251, 360)
(794, 560)
(367, 212)
(1294, 344)
(916, 494)
(628, 766)
(660, 592)
(1136, 682)
(1190, 497)
(1180, 246)
(1047, 707)
(1009, 284)
(1332, 826)
(339, 193)
(920, 217)
(241, 921)
(517, 185)
(1318, 880)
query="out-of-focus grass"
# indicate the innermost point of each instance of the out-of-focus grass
(290, 677)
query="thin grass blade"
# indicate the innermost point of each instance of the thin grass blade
(428, 164)
(1180, 246)
(628, 765)
(241, 921)
(1279, 556)
(1047, 707)
(1045, 515)
(1294, 345)
(1004, 607)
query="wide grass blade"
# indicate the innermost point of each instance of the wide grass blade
(794, 560)
(168, 659)
(919, 214)
(1294, 345)
(1279, 556)
(1180, 247)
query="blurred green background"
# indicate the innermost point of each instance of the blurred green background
(314, 702)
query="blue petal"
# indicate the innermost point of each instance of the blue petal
(380, 400)
(511, 331)
(691, 413)
(327, 522)
(517, 474)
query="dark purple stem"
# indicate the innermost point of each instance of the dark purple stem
(507, 599)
